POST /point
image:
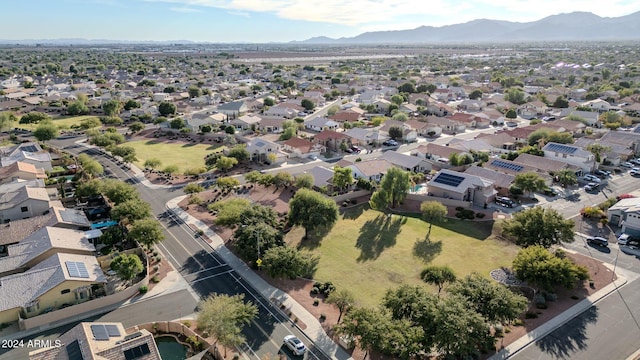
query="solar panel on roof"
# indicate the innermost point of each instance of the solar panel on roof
(73, 216)
(135, 335)
(112, 330)
(507, 165)
(99, 332)
(73, 351)
(448, 179)
(29, 148)
(77, 269)
(561, 148)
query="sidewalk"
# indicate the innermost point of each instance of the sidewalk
(314, 330)
(577, 309)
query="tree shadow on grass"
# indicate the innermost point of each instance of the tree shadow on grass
(426, 250)
(152, 142)
(378, 234)
(562, 344)
(315, 238)
(355, 212)
(189, 145)
(480, 230)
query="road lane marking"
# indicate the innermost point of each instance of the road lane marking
(211, 276)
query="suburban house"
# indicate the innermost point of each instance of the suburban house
(439, 109)
(197, 120)
(499, 140)
(544, 164)
(60, 279)
(159, 97)
(319, 123)
(469, 120)
(299, 147)
(570, 154)
(508, 167)
(532, 109)
(233, 109)
(424, 128)
(626, 214)
(260, 150)
(628, 139)
(590, 118)
(283, 110)
(600, 105)
(434, 152)
(371, 169)
(462, 187)
(20, 170)
(407, 162)
(40, 245)
(271, 125)
(15, 231)
(447, 125)
(332, 140)
(321, 177)
(408, 133)
(366, 136)
(347, 116)
(23, 203)
(501, 181)
(244, 122)
(30, 153)
(101, 340)
(471, 105)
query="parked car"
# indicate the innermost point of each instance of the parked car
(634, 172)
(295, 345)
(550, 192)
(626, 164)
(591, 187)
(356, 149)
(635, 161)
(624, 239)
(592, 178)
(597, 240)
(505, 201)
(390, 142)
(602, 173)
(313, 157)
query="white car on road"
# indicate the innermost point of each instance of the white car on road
(295, 345)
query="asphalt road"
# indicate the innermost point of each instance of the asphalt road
(204, 270)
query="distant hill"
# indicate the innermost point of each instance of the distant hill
(575, 26)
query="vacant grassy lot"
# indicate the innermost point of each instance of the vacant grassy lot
(185, 156)
(63, 122)
(368, 252)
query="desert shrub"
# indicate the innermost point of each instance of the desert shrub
(530, 315)
(316, 302)
(143, 289)
(550, 296)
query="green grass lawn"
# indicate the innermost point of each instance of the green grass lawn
(185, 156)
(63, 122)
(368, 253)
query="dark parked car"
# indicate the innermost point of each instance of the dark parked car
(597, 240)
(390, 142)
(602, 173)
(505, 201)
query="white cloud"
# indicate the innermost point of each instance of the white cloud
(391, 14)
(239, 13)
(185, 9)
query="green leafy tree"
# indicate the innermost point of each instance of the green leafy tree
(131, 104)
(343, 299)
(127, 266)
(333, 110)
(177, 123)
(529, 182)
(304, 181)
(146, 231)
(268, 101)
(400, 116)
(307, 104)
(223, 317)
(228, 211)
(394, 188)
(438, 276)
(152, 163)
(282, 179)
(127, 153)
(395, 132)
(560, 137)
(45, 131)
(240, 153)
(132, 209)
(90, 123)
(461, 332)
(475, 94)
(561, 102)
(368, 326)
(432, 211)
(253, 177)
(227, 182)
(397, 99)
(170, 169)
(342, 177)
(194, 91)
(166, 108)
(136, 126)
(311, 210)
(77, 107)
(112, 108)
(415, 304)
(407, 88)
(226, 163)
(511, 114)
(539, 226)
(255, 239)
(32, 117)
(494, 301)
(566, 177)
(289, 262)
(597, 150)
(538, 266)
(515, 96)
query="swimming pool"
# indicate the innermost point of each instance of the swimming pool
(104, 224)
(417, 189)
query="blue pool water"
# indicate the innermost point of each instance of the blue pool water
(104, 224)
(417, 188)
(170, 349)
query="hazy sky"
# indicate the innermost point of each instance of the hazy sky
(266, 20)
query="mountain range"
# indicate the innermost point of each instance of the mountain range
(575, 26)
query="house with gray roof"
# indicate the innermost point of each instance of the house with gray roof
(322, 176)
(319, 123)
(60, 279)
(501, 181)
(30, 153)
(626, 214)
(260, 148)
(462, 187)
(571, 154)
(370, 169)
(23, 203)
(233, 109)
(407, 162)
(101, 340)
(42, 244)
